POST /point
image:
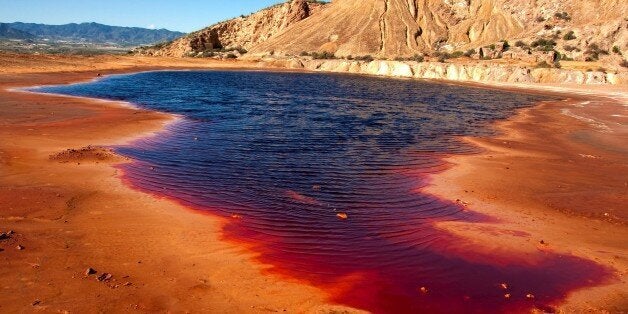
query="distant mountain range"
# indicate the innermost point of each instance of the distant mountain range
(87, 32)
(7, 32)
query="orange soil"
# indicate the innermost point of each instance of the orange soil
(71, 212)
(548, 176)
(553, 178)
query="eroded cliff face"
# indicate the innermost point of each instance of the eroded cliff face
(243, 32)
(389, 28)
(471, 72)
(539, 32)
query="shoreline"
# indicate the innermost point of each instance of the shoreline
(525, 203)
(162, 256)
(320, 301)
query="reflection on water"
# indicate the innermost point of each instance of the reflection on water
(281, 154)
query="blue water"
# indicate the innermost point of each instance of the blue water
(281, 154)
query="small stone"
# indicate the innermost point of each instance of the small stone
(90, 271)
(4, 236)
(529, 296)
(36, 302)
(10, 232)
(19, 247)
(423, 289)
(507, 296)
(236, 216)
(542, 242)
(127, 284)
(342, 216)
(105, 277)
(504, 286)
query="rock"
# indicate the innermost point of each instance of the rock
(241, 32)
(90, 271)
(342, 216)
(36, 302)
(423, 290)
(507, 296)
(10, 232)
(4, 236)
(19, 247)
(105, 277)
(504, 286)
(529, 296)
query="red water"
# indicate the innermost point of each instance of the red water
(280, 155)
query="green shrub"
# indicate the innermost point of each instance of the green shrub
(521, 44)
(562, 16)
(469, 52)
(543, 44)
(616, 50)
(367, 58)
(457, 54)
(593, 52)
(418, 58)
(571, 48)
(506, 45)
(323, 55)
(569, 36)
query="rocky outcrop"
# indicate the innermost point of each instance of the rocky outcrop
(392, 28)
(472, 72)
(536, 32)
(238, 34)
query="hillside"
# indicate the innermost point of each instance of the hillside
(95, 33)
(531, 30)
(243, 32)
(7, 32)
(390, 28)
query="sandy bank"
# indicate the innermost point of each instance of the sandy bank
(557, 172)
(70, 212)
(467, 71)
(549, 175)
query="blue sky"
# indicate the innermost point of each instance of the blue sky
(178, 15)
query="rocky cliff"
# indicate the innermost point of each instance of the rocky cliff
(391, 28)
(529, 34)
(238, 34)
(469, 72)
